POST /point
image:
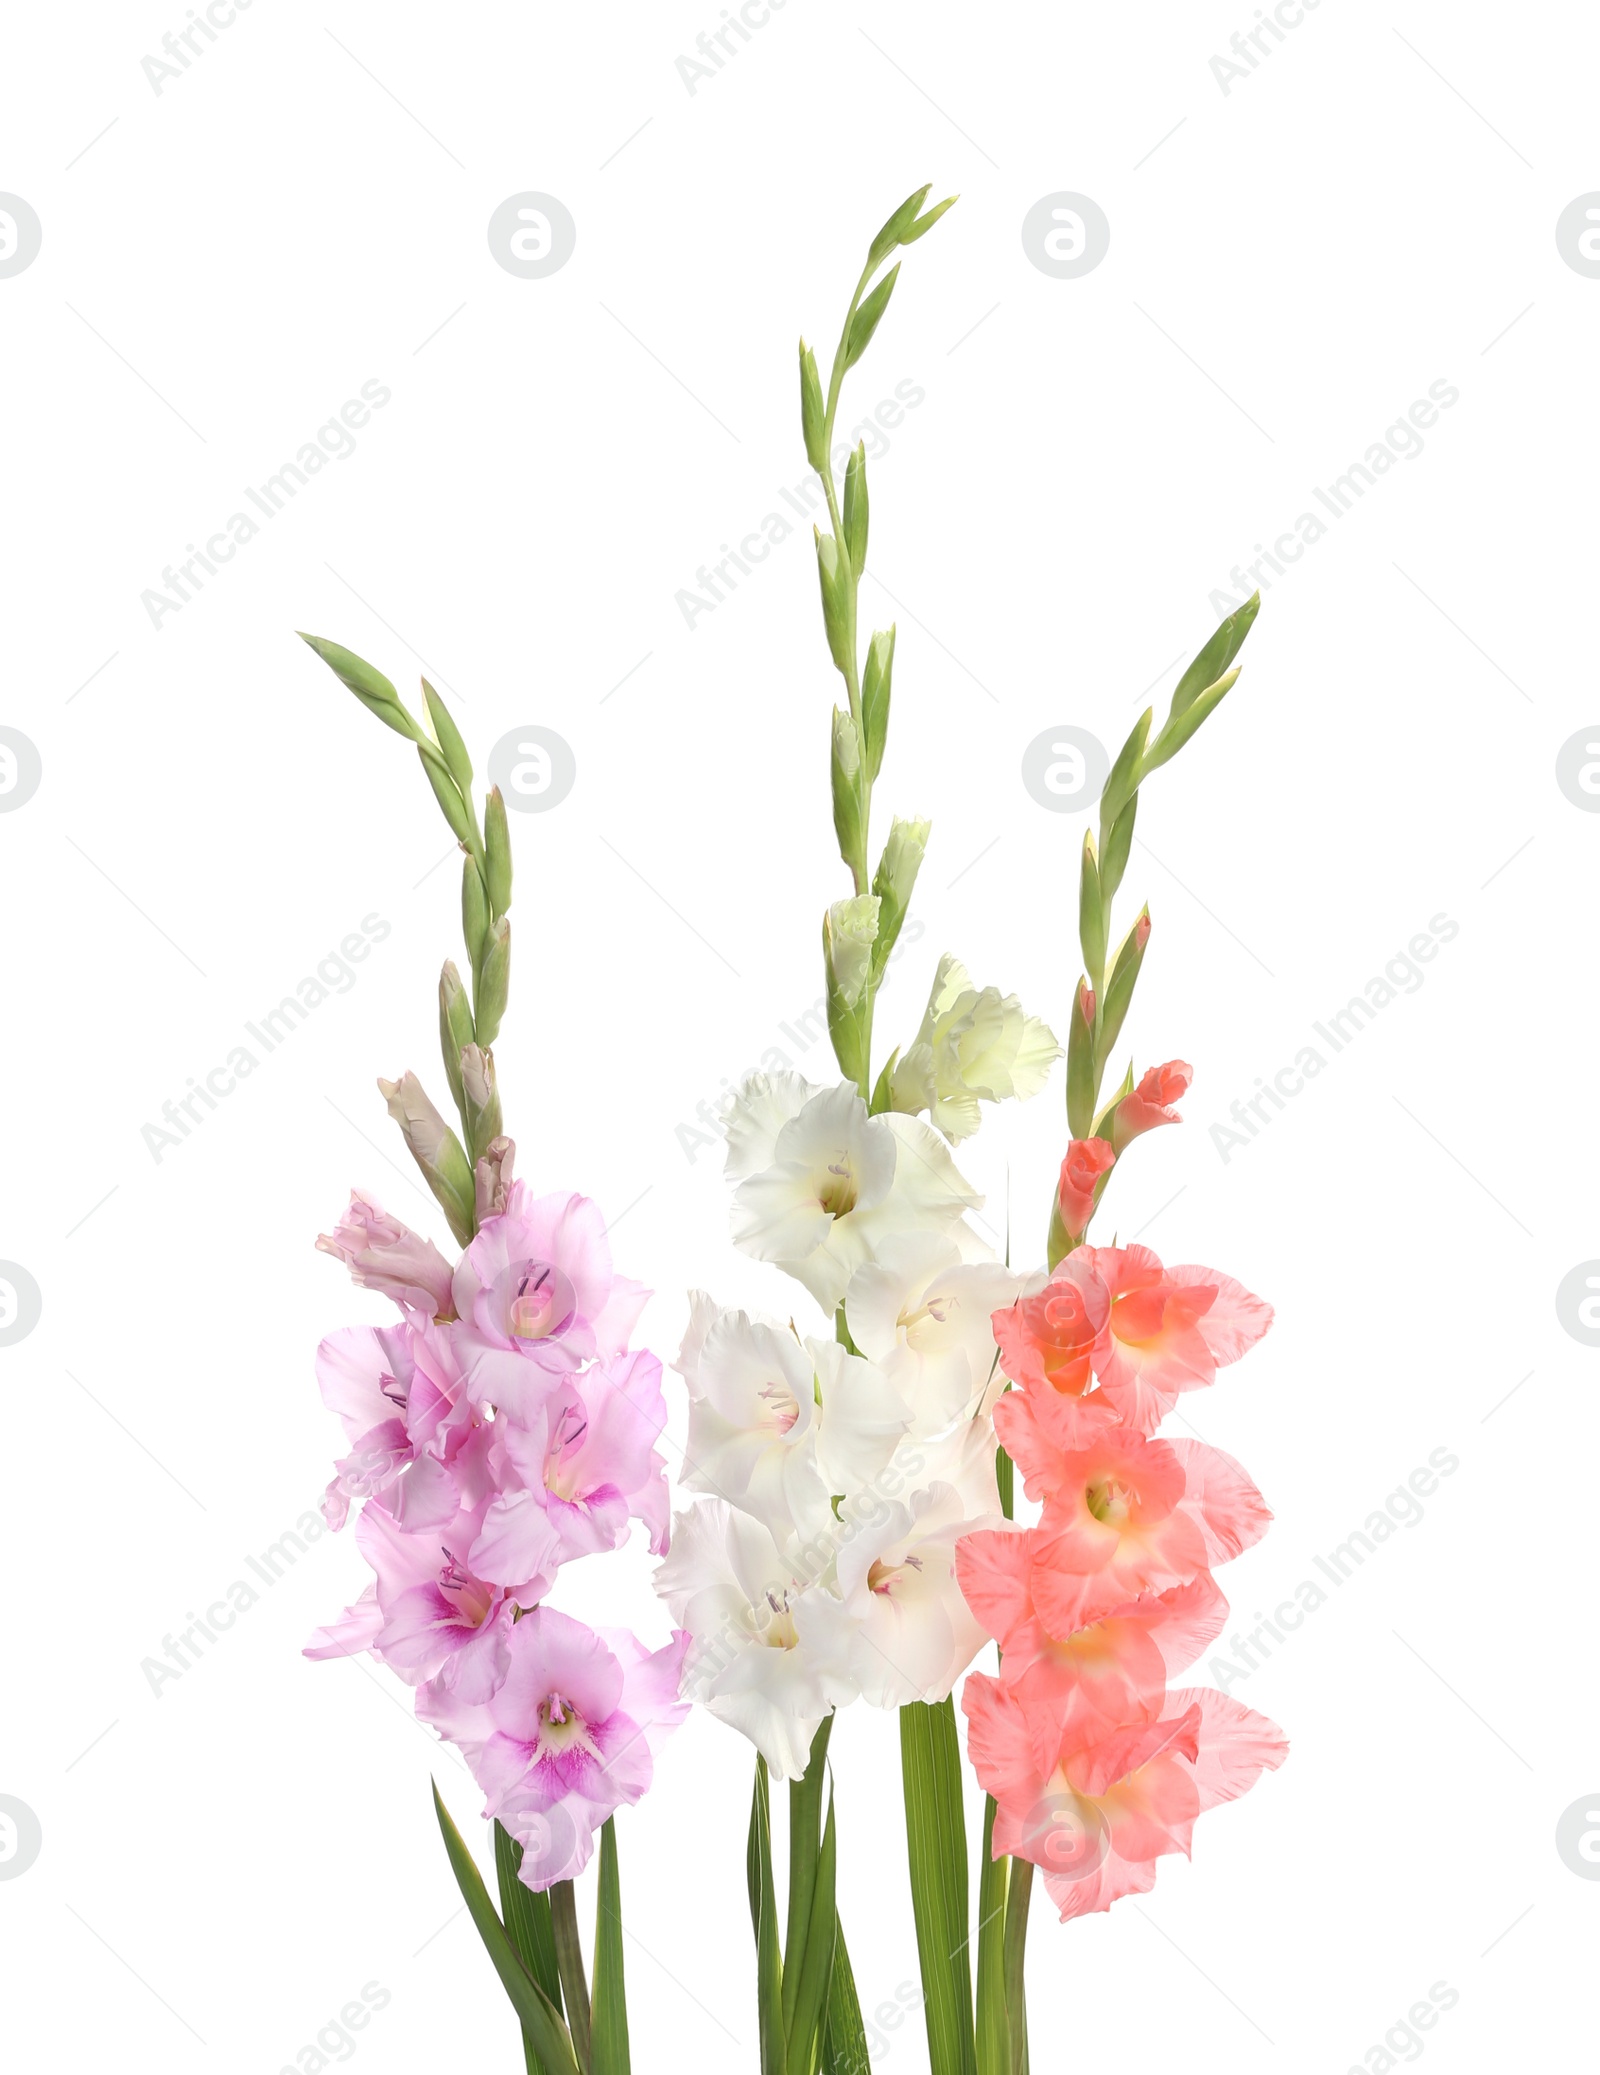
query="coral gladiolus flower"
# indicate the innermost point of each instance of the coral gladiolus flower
(1152, 1102)
(1048, 1339)
(1169, 1330)
(1126, 1516)
(1097, 1815)
(1087, 1161)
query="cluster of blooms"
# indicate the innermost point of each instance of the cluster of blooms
(499, 1430)
(838, 1478)
(1096, 1768)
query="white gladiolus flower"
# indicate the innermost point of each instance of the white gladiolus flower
(764, 1655)
(975, 1044)
(921, 1313)
(822, 1183)
(910, 1631)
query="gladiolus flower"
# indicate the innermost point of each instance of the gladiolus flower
(384, 1255)
(1097, 1812)
(1151, 1103)
(974, 1045)
(1169, 1329)
(1087, 1161)
(1049, 1339)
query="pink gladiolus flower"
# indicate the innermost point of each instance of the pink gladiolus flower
(1097, 1812)
(581, 1469)
(567, 1738)
(537, 1284)
(1152, 1102)
(384, 1255)
(1087, 1161)
(1126, 1516)
(1169, 1329)
(1048, 1340)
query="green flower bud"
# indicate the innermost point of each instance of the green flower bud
(446, 791)
(855, 507)
(835, 583)
(1080, 1062)
(474, 916)
(370, 686)
(1091, 912)
(455, 1026)
(892, 883)
(875, 685)
(481, 1100)
(448, 737)
(436, 1150)
(845, 771)
(494, 982)
(497, 852)
(811, 410)
(865, 321)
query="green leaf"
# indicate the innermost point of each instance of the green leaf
(1018, 1896)
(1005, 1478)
(569, 1963)
(875, 686)
(811, 410)
(610, 2036)
(446, 792)
(497, 852)
(769, 1961)
(538, 2014)
(994, 2030)
(855, 507)
(865, 321)
(844, 2042)
(811, 2002)
(526, 1912)
(936, 1843)
(370, 686)
(805, 1818)
(448, 737)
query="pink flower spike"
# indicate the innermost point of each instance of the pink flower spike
(1151, 1103)
(384, 1255)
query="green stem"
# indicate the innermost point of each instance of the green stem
(569, 1962)
(805, 1838)
(1018, 1896)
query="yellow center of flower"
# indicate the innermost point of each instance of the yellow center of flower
(837, 1194)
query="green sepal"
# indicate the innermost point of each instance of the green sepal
(497, 852)
(1108, 1109)
(894, 231)
(865, 321)
(812, 413)
(456, 1029)
(448, 737)
(924, 224)
(845, 779)
(883, 1088)
(1124, 977)
(1122, 781)
(474, 915)
(494, 982)
(1080, 1061)
(1179, 729)
(876, 682)
(538, 2014)
(370, 686)
(1114, 853)
(835, 588)
(446, 791)
(1091, 912)
(855, 507)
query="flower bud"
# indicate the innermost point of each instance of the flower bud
(875, 685)
(833, 577)
(455, 1025)
(845, 773)
(1083, 1173)
(435, 1148)
(855, 507)
(480, 1099)
(811, 409)
(384, 1255)
(494, 982)
(1151, 1103)
(492, 1178)
(893, 882)
(497, 852)
(1080, 1062)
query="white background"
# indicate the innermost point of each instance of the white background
(1290, 267)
